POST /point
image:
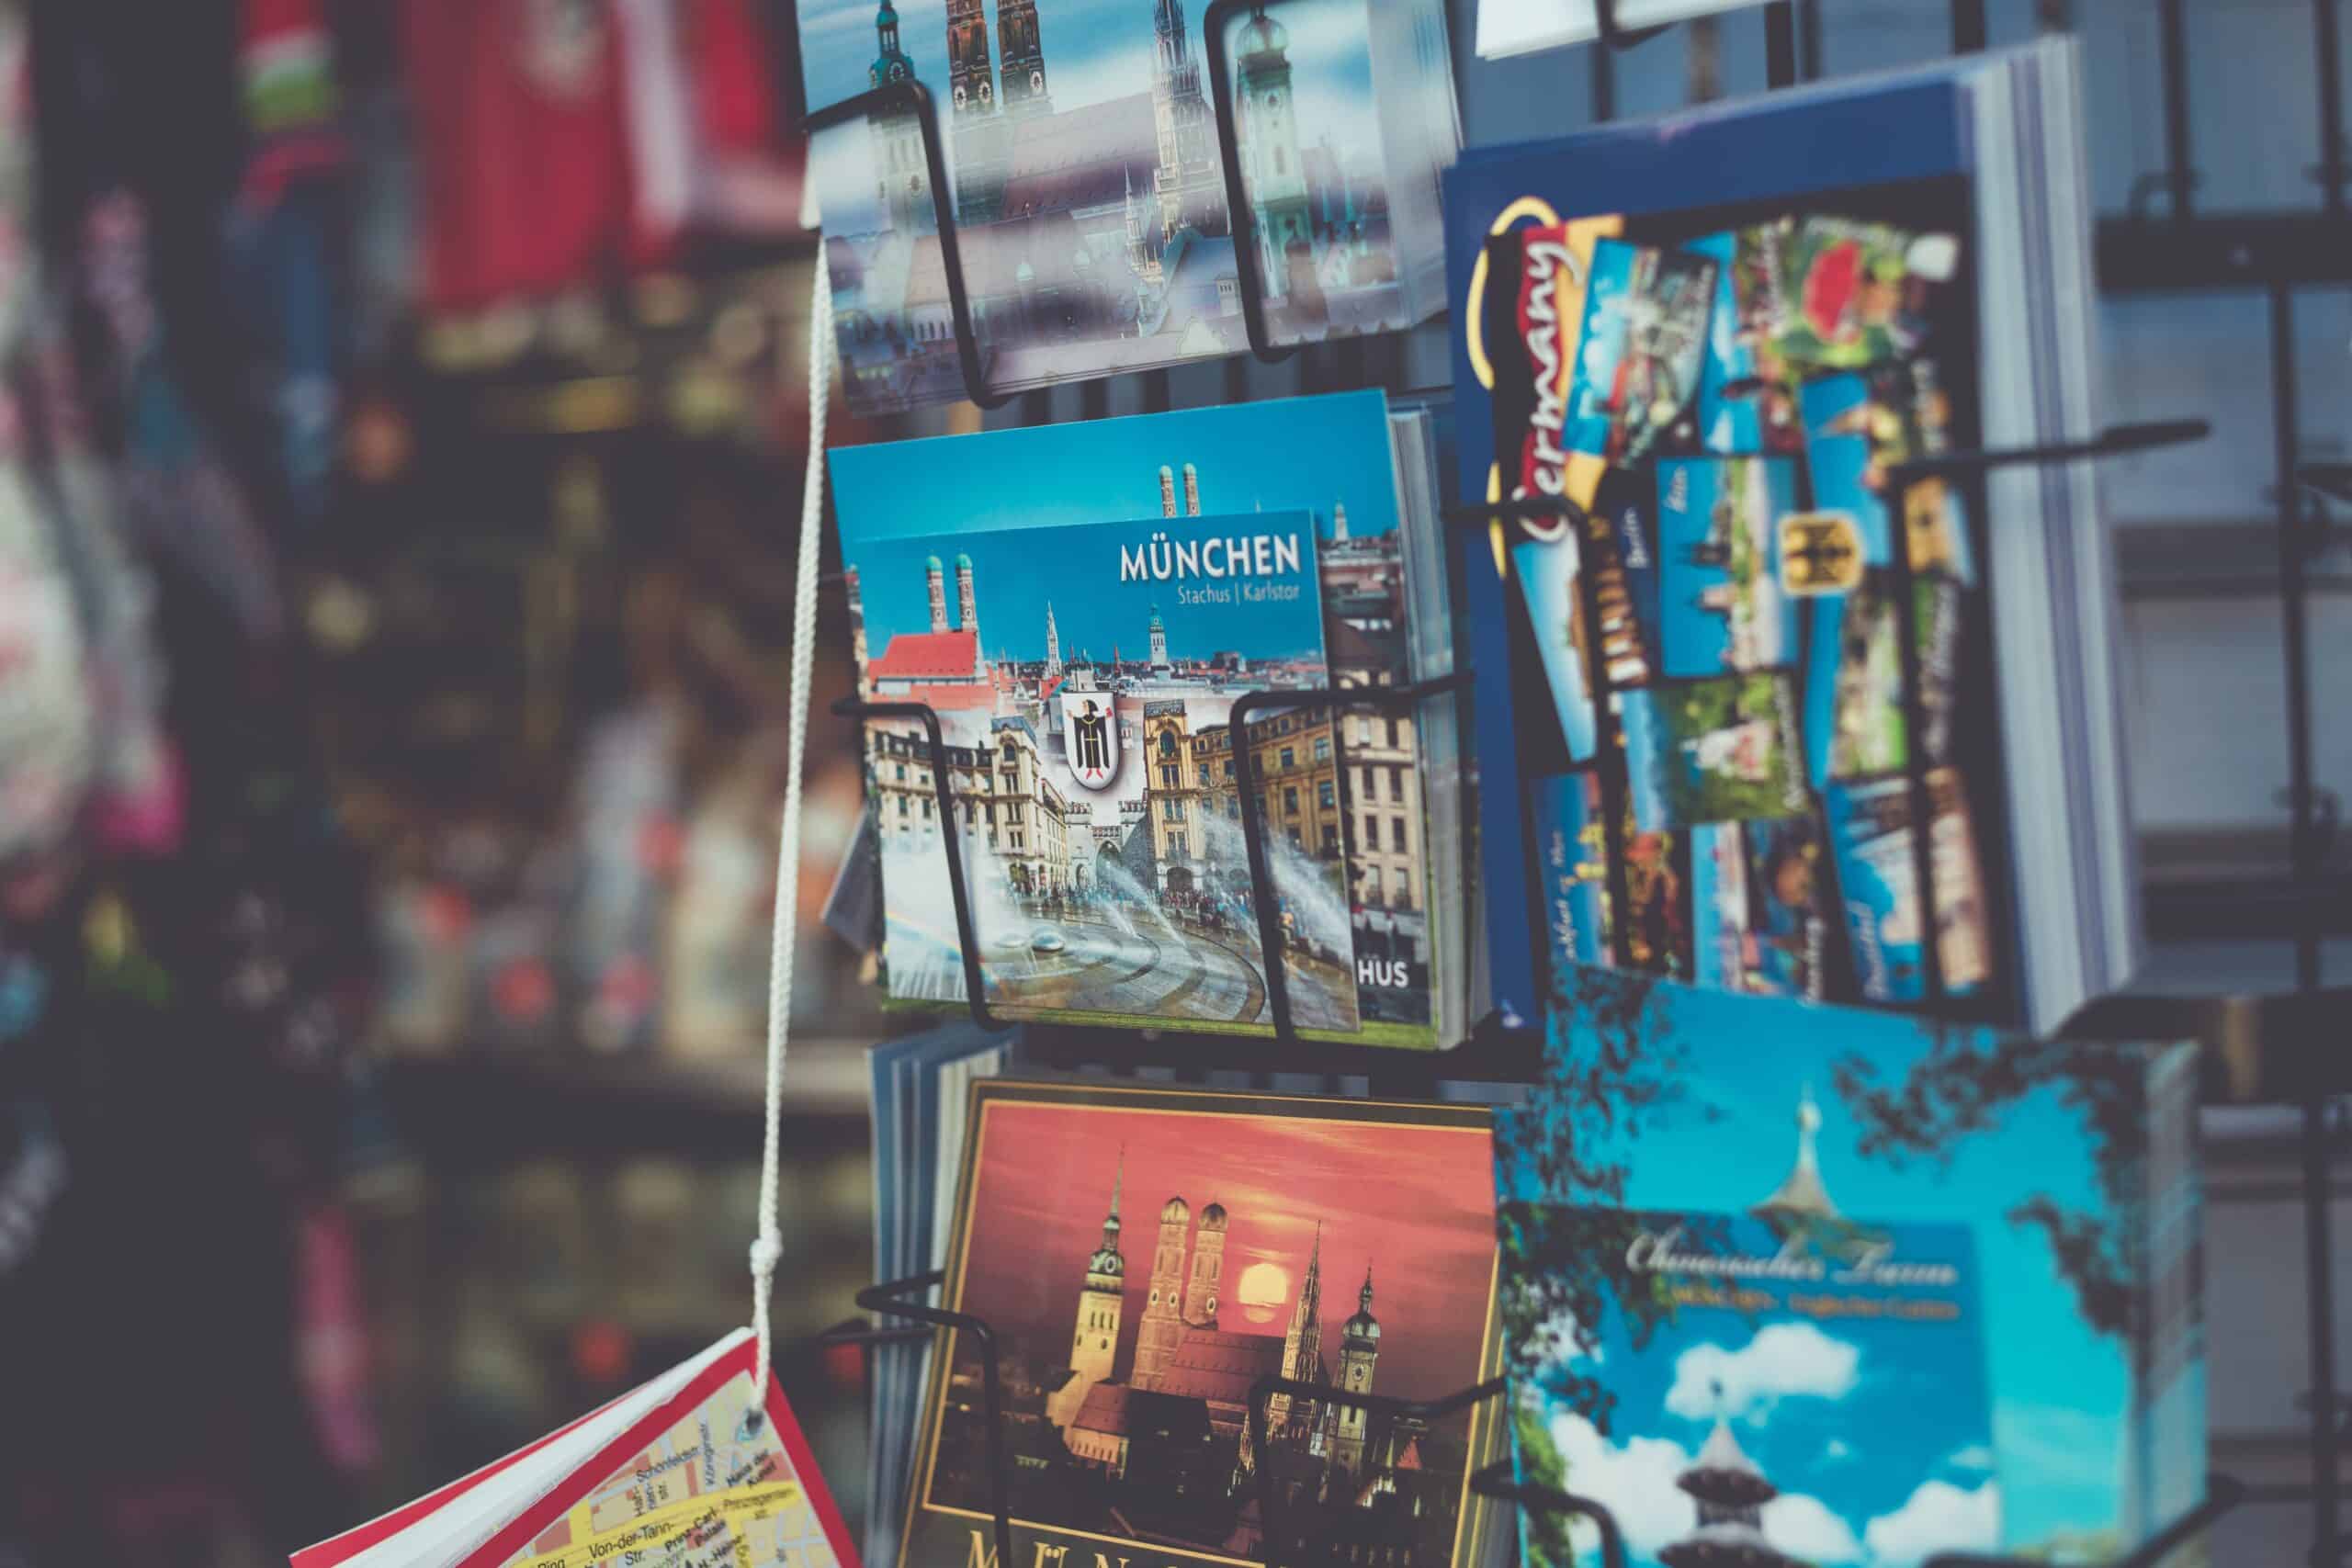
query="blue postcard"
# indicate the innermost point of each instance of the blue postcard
(1769, 1387)
(1341, 797)
(1548, 572)
(1574, 851)
(1757, 892)
(1085, 675)
(2067, 1164)
(1871, 835)
(1722, 607)
(1641, 351)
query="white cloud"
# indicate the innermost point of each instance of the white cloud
(1805, 1527)
(1939, 1517)
(1783, 1359)
(1975, 1456)
(1638, 1479)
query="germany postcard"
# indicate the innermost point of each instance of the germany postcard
(1148, 1257)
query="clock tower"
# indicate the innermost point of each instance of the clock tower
(1095, 1341)
(1359, 1351)
(1267, 124)
(1187, 178)
(1024, 59)
(902, 174)
(978, 132)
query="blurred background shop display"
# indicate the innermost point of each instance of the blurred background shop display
(405, 408)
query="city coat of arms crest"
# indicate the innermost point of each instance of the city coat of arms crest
(1091, 737)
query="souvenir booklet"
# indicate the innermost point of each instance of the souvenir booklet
(2069, 1166)
(920, 1089)
(1084, 668)
(1143, 1256)
(1843, 724)
(684, 1470)
(1086, 186)
(1769, 1386)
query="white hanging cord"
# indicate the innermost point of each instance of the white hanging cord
(768, 1248)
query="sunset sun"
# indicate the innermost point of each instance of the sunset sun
(1261, 1291)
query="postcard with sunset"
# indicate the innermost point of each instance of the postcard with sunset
(1146, 1257)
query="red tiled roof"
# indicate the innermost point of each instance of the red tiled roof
(1084, 157)
(946, 698)
(927, 656)
(1221, 1365)
(1105, 1409)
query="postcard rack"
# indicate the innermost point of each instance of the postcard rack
(1501, 1047)
(2291, 1048)
(1493, 1481)
(910, 100)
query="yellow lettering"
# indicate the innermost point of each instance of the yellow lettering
(1046, 1553)
(983, 1554)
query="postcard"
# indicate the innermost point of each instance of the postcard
(1820, 292)
(1746, 395)
(1351, 790)
(1549, 568)
(1772, 1386)
(1755, 898)
(1657, 936)
(2066, 1162)
(1721, 608)
(1571, 837)
(1086, 190)
(1092, 767)
(1640, 353)
(1143, 1256)
(1600, 571)
(1870, 831)
(1722, 750)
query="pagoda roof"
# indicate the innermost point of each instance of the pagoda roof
(1801, 1191)
(1723, 1474)
(1725, 1545)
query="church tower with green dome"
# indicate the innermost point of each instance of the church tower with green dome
(902, 174)
(1359, 1353)
(890, 61)
(1095, 1339)
(1267, 127)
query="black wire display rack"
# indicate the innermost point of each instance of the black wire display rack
(1496, 1049)
(2293, 1047)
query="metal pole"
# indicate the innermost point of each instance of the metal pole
(1968, 28)
(2327, 47)
(1780, 44)
(2318, 1265)
(1603, 61)
(2174, 49)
